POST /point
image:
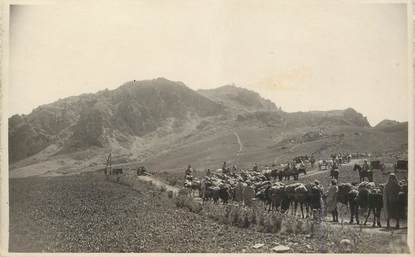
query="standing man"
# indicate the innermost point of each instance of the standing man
(391, 200)
(188, 171)
(312, 161)
(332, 200)
(366, 168)
(234, 168)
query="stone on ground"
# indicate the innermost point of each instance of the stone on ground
(257, 246)
(281, 249)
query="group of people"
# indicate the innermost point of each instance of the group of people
(228, 170)
(392, 196)
(297, 162)
(341, 157)
(334, 164)
(389, 196)
(336, 160)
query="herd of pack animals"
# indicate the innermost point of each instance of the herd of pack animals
(271, 187)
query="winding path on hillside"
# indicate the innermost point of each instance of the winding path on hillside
(241, 147)
(158, 183)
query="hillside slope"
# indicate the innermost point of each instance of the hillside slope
(166, 126)
(108, 117)
(239, 99)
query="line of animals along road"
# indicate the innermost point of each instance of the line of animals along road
(272, 187)
(227, 185)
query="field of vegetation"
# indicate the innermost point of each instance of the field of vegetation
(87, 213)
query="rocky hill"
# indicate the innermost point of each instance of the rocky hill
(239, 99)
(136, 108)
(387, 123)
(166, 125)
(390, 124)
(348, 117)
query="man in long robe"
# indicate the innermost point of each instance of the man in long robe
(391, 199)
(332, 200)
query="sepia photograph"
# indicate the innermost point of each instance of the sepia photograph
(194, 126)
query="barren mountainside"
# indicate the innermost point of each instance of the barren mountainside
(133, 109)
(161, 121)
(239, 99)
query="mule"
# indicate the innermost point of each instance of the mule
(363, 174)
(375, 205)
(294, 172)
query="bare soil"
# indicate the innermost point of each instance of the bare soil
(87, 213)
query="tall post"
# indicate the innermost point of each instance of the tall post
(108, 170)
(109, 159)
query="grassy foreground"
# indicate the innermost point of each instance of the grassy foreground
(86, 213)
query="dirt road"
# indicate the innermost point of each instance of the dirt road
(316, 171)
(158, 183)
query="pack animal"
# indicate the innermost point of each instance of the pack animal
(375, 205)
(294, 172)
(362, 173)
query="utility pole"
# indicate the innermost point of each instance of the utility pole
(108, 165)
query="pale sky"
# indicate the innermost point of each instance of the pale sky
(303, 57)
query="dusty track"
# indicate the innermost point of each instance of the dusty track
(368, 229)
(158, 183)
(316, 171)
(241, 147)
